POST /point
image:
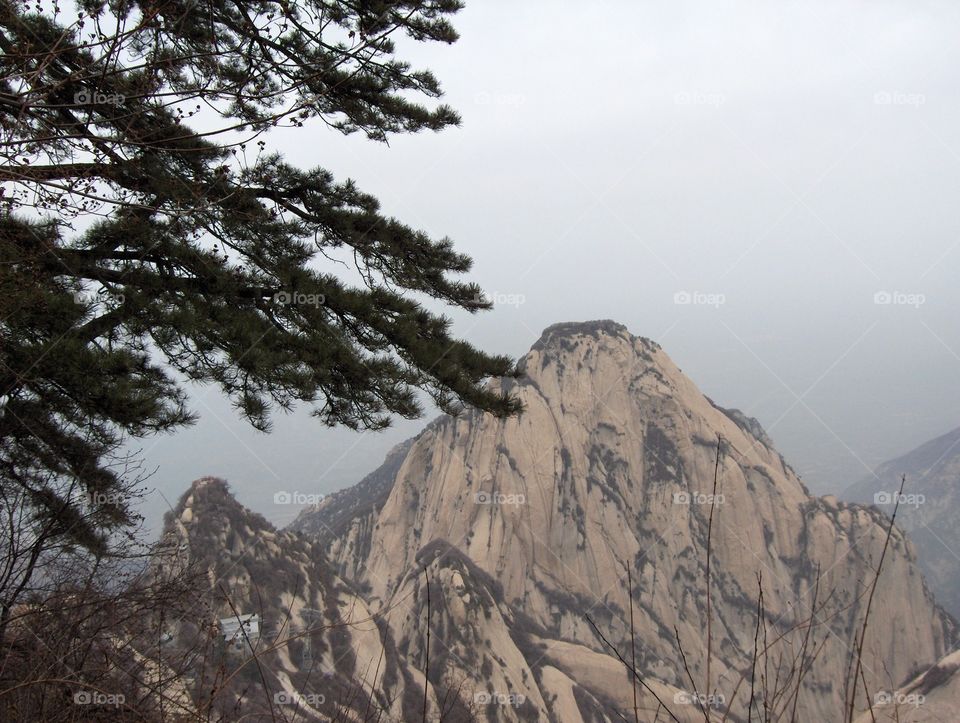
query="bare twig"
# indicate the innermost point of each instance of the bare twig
(629, 667)
(803, 649)
(866, 615)
(633, 645)
(713, 501)
(426, 664)
(756, 635)
(693, 683)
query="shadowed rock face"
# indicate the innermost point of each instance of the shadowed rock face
(930, 509)
(612, 466)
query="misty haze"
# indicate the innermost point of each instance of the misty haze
(420, 360)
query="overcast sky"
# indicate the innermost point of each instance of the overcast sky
(782, 166)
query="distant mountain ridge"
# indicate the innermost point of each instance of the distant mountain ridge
(929, 511)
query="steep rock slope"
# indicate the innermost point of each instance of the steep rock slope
(929, 510)
(611, 467)
(320, 652)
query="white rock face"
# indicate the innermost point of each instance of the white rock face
(610, 467)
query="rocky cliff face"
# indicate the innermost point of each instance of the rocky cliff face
(319, 653)
(527, 528)
(929, 511)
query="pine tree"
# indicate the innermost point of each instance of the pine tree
(147, 232)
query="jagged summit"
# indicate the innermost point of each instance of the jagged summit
(206, 490)
(563, 339)
(212, 497)
(574, 328)
(570, 336)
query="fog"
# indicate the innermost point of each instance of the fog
(766, 189)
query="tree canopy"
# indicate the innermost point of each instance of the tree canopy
(147, 231)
